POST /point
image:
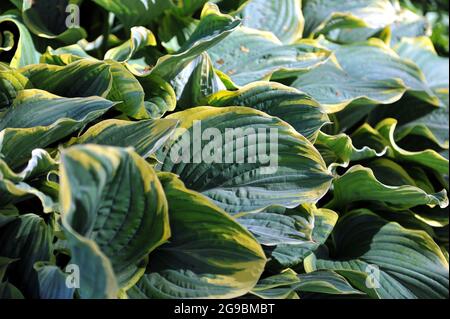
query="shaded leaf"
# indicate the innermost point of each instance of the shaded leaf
(410, 264)
(52, 282)
(41, 19)
(32, 243)
(209, 254)
(112, 199)
(38, 119)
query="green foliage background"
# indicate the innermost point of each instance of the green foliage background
(92, 205)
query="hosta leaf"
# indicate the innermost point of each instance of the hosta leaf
(146, 137)
(432, 126)
(410, 264)
(384, 78)
(140, 38)
(135, 12)
(230, 177)
(349, 118)
(126, 89)
(338, 150)
(4, 263)
(290, 105)
(27, 239)
(6, 41)
(422, 127)
(271, 229)
(65, 55)
(255, 149)
(249, 55)
(195, 82)
(408, 24)
(212, 29)
(384, 134)
(15, 192)
(14, 189)
(52, 282)
(285, 255)
(390, 173)
(40, 163)
(8, 291)
(112, 197)
(282, 286)
(38, 119)
(174, 31)
(96, 276)
(26, 52)
(360, 184)
(284, 18)
(324, 16)
(11, 82)
(279, 286)
(435, 217)
(387, 64)
(49, 19)
(137, 60)
(159, 96)
(325, 282)
(8, 213)
(337, 89)
(93, 78)
(108, 79)
(188, 7)
(209, 254)
(421, 51)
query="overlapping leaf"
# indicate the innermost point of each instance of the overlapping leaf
(286, 255)
(243, 171)
(15, 187)
(32, 243)
(360, 184)
(370, 71)
(11, 82)
(284, 18)
(383, 136)
(410, 264)
(136, 12)
(37, 119)
(146, 137)
(309, 141)
(213, 28)
(39, 17)
(323, 16)
(287, 284)
(290, 105)
(209, 254)
(249, 55)
(112, 201)
(339, 150)
(93, 78)
(26, 52)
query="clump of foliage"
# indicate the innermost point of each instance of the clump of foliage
(358, 207)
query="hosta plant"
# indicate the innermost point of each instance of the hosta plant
(274, 149)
